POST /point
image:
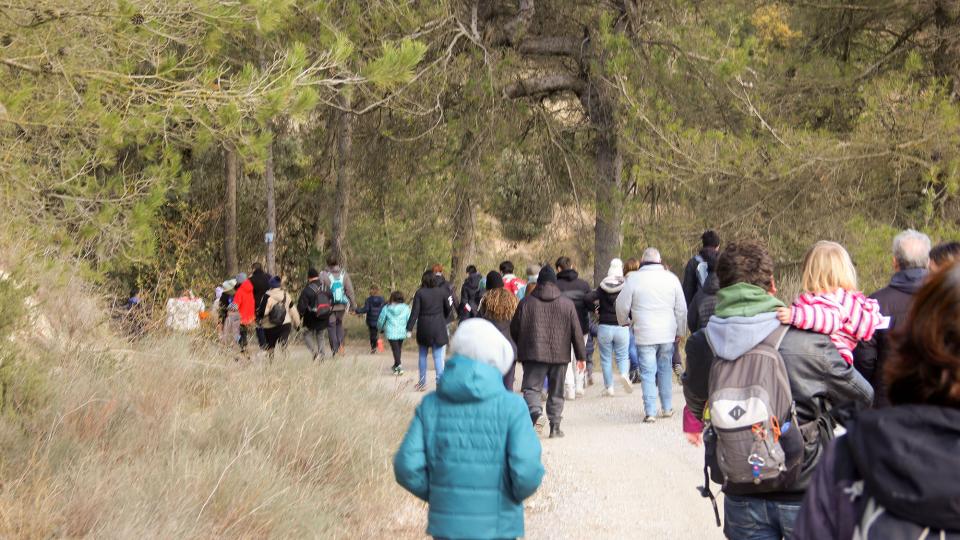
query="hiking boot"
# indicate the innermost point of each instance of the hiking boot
(538, 422)
(608, 391)
(666, 414)
(649, 419)
(625, 382)
(555, 432)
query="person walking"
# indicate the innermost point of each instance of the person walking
(392, 322)
(470, 451)
(470, 294)
(338, 282)
(498, 306)
(705, 301)
(745, 361)
(511, 282)
(532, 271)
(652, 301)
(696, 272)
(432, 305)
(632, 265)
(261, 284)
(449, 288)
(247, 307)
(943, 254)
(896, 472)
(278, 316)
(613, 338)
(911, 257)
(574, 288)
(545, 327)
(315, 306)
(372, 307)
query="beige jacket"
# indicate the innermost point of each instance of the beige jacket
(275, 296)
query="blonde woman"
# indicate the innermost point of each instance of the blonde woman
(831, 303)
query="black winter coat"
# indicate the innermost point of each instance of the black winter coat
(431, 310)
(545, 326)
(372, 308)
(308, 300)
(871, 356)
(574, 288)
(470, 295)
(261, 284)
(906, 458)
(691, 281)
(704, 304)
(605, 298)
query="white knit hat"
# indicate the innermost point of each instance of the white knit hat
(616, 268)
(479, 340)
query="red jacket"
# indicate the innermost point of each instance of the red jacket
(245, 303)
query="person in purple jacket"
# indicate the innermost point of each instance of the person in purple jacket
(896, 473)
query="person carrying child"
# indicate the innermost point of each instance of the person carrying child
(371, 308)
(392, 321)
(471, 451)
(831, 303)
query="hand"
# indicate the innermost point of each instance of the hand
(581, 365)
(784, 315)
(696, 439)
(409, 335)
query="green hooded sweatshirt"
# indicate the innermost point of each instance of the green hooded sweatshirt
(745, 300)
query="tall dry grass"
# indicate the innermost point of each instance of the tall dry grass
(171, 438)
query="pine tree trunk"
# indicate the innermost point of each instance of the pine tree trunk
(464, 223)
(344, 178)
(231, 266)
(608, 238)
(271, 212)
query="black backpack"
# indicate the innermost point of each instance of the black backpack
(278, 313)
(323, 306)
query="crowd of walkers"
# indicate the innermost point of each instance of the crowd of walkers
(834, 416)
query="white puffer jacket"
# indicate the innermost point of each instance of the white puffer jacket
(653, 299)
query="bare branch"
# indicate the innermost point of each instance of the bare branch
(545, 84)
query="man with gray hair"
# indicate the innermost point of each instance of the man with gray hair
(652, 299)
(911, 256)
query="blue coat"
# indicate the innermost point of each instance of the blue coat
(393, 321)
(471, 452)
(371, 308)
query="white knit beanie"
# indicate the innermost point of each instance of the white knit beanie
(479, 340)
(616, 268)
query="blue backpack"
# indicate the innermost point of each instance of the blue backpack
(337, 290)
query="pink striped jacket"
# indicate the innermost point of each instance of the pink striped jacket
(848, 317)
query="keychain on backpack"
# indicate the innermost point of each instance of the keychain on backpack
(756, 462)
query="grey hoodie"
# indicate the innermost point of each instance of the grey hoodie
(731, 338)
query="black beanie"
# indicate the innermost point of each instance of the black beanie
(547, 275)
(494, 280)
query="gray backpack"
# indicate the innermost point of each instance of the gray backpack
(759, 446)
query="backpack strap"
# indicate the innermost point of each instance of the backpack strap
(775, 339)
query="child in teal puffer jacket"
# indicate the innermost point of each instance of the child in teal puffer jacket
(471, 451)
(393, 323)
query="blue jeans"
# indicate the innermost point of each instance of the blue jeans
(656, 370)
(634, 357)
(438, 353)
(748, 518)
(613, 341)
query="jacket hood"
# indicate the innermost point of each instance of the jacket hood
(466, 380)
(548, 292)
(395, 309)
(731, 337)
(276, 293)
(909, 458)
(612, 284)
(568, 275)
(473, 281)
(745, 300)
(909, 281)
(335, 269)
(245, 286)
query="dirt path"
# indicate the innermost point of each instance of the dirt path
(611, 476)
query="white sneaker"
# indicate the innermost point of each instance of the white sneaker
(649, 420)
(608, 391)
(579, 392)
(666, 414)
(627, 385)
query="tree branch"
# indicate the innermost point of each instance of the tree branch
(545, 84)
(553, 46)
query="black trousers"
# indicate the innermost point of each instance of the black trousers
(276, 336)
(396, 347)
(533, 376)
(374, 336)
(510, 377)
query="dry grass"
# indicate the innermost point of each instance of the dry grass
(174, 439)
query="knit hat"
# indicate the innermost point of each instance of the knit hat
(241, 277)
(312, 273)
(547, 275)
(532, 271)
(228, 285)
(275, 282)
(494, 280)
(480, 341)
(616, 268)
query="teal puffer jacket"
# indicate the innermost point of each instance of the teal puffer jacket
(393, 321)
(471, 452)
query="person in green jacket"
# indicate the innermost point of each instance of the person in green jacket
(471, 451)
(393, 323)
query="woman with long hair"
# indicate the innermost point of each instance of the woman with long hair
(498, 306)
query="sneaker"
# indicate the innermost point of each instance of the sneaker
(555, 432)
(649, 420)
(579, 392)
(539, 424)
(420, 387)
(678, 369)
(625, 382)
(373, 351)
(635, 377)
(666, 414)
(608, 391)
(589, 378)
